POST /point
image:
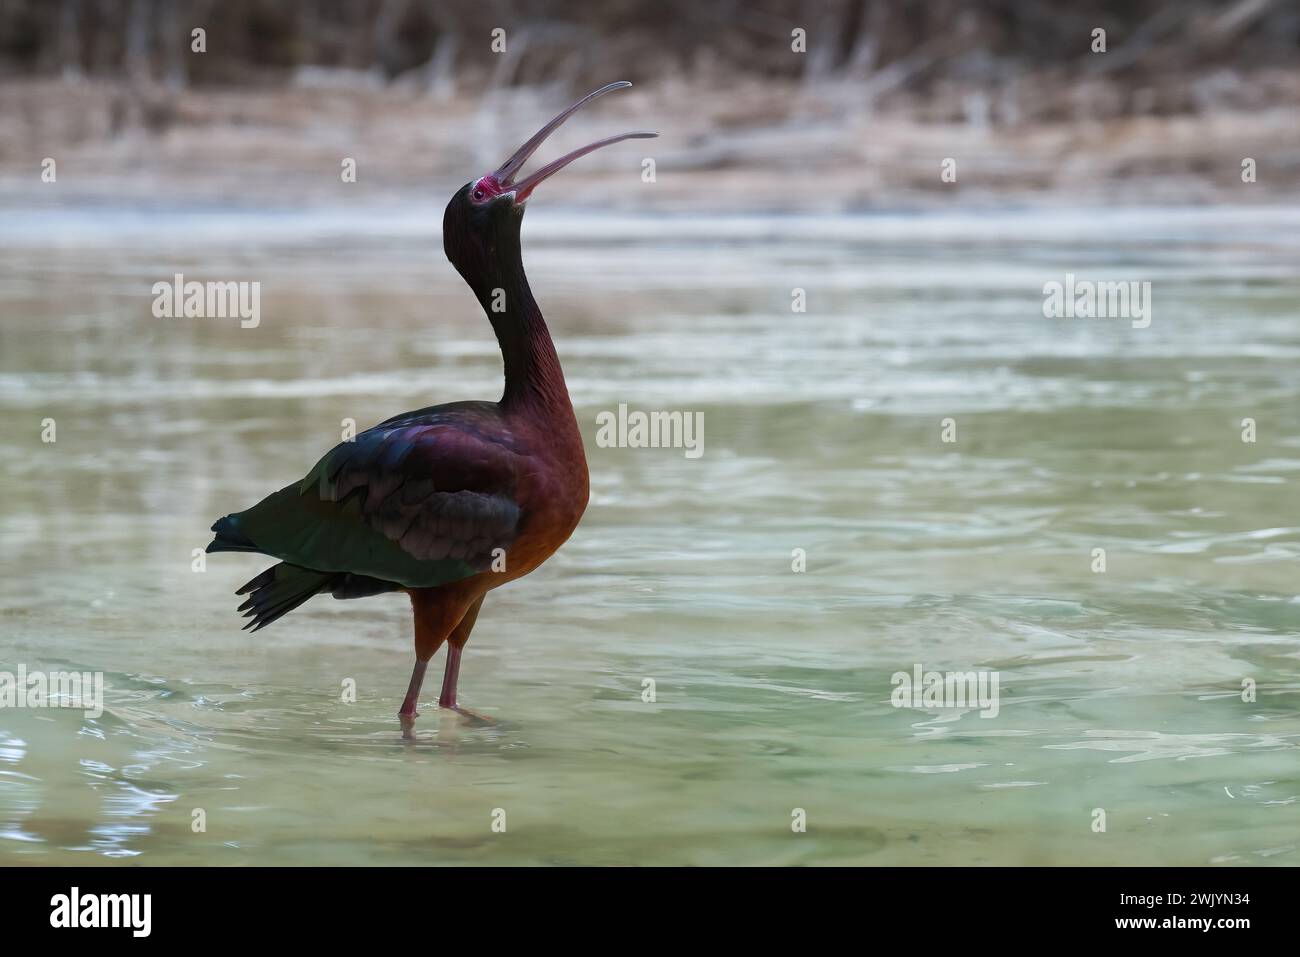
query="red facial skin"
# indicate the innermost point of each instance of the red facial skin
(487, 188)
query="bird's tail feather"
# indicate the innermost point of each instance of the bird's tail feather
(279, 590)
(229, 538)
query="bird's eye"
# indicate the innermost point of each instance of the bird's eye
(478, 193)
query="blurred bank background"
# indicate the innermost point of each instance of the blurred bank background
(415, 90)
(781, 178)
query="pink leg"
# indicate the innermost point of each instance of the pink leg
(455, 644)
(408, 714)
(448, 699)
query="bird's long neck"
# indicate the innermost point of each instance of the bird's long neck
(534, 379)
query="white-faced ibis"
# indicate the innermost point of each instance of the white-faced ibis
(449, 502)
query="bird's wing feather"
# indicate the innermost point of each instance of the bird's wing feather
(420, 500)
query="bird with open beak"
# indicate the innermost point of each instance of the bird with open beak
(447, 502)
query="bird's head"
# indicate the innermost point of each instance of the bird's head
(482, 220)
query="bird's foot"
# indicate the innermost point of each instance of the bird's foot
(407, 721)
(471, 716)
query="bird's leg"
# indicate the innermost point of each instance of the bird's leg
(408, 714)
(448, 697)
(433, 620)
(455, 642)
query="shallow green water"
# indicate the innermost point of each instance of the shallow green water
(1119, 691)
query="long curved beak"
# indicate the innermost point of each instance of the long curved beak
(523, 189)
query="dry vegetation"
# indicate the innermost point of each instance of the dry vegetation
(885, 91)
